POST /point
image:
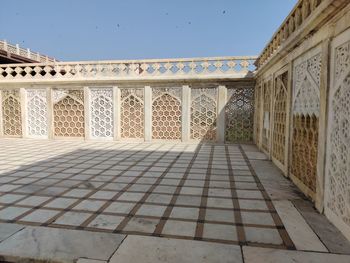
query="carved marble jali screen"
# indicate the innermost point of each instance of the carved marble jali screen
(101, 112)
(203, 113)
(305, 114)
(280, 117)
(37, 122)
(239, 114)
(166, 113)
(132, 113)
(11, 112)
(337, 185)
(68, 112)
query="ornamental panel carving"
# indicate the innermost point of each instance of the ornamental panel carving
(306, 91)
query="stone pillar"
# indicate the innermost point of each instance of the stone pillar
(148, 113)
(116, 109)
(256, 113)
(87, 115)
(23, 99)
(50, 102)
(322, 128)
(222, 99)
(261, 114)
(186, 113)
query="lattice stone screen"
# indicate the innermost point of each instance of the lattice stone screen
(11, 113)
(239, 114)
(166, 113)
(203, 113)
(132, 113)
(280, 117)
(306, 109)
(337, 187)
(37, 125)
(267, 88)
(124, 112)
(101, 112)
(68, 112)
(304, 152)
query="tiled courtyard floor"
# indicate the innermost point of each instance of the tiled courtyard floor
(202, 192)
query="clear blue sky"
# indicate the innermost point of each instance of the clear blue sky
(132, 29)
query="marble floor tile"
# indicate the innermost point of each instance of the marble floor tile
(188, 200)
(40, 216)
(120, 207)
(144, 225)
(219, 202)
(257, 218)
(11, 213)
(59, 244)
(106, 222)
(179, 228)
(159, 198)
(77, 193)
(191, 191)
(10, 198)
(34, 200)
(159, 250)
(252, 204)
(106, 195)
(72, 218)
(7, 230)
(151, 210)
(185, 213)
(219, 215)
(128, 196)
(263, 235)
(270, 255)
(61, 202)
(300, 232)
(89, 205)
(216, 231)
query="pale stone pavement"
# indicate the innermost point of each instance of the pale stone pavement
(154, 202)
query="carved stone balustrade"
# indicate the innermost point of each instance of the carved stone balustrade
(164, 69)
(24, 52)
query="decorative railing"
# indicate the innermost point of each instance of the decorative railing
(218, 67)
(17, 50)
(296, 18)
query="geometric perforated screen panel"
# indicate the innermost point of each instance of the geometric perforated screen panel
(239, 114)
